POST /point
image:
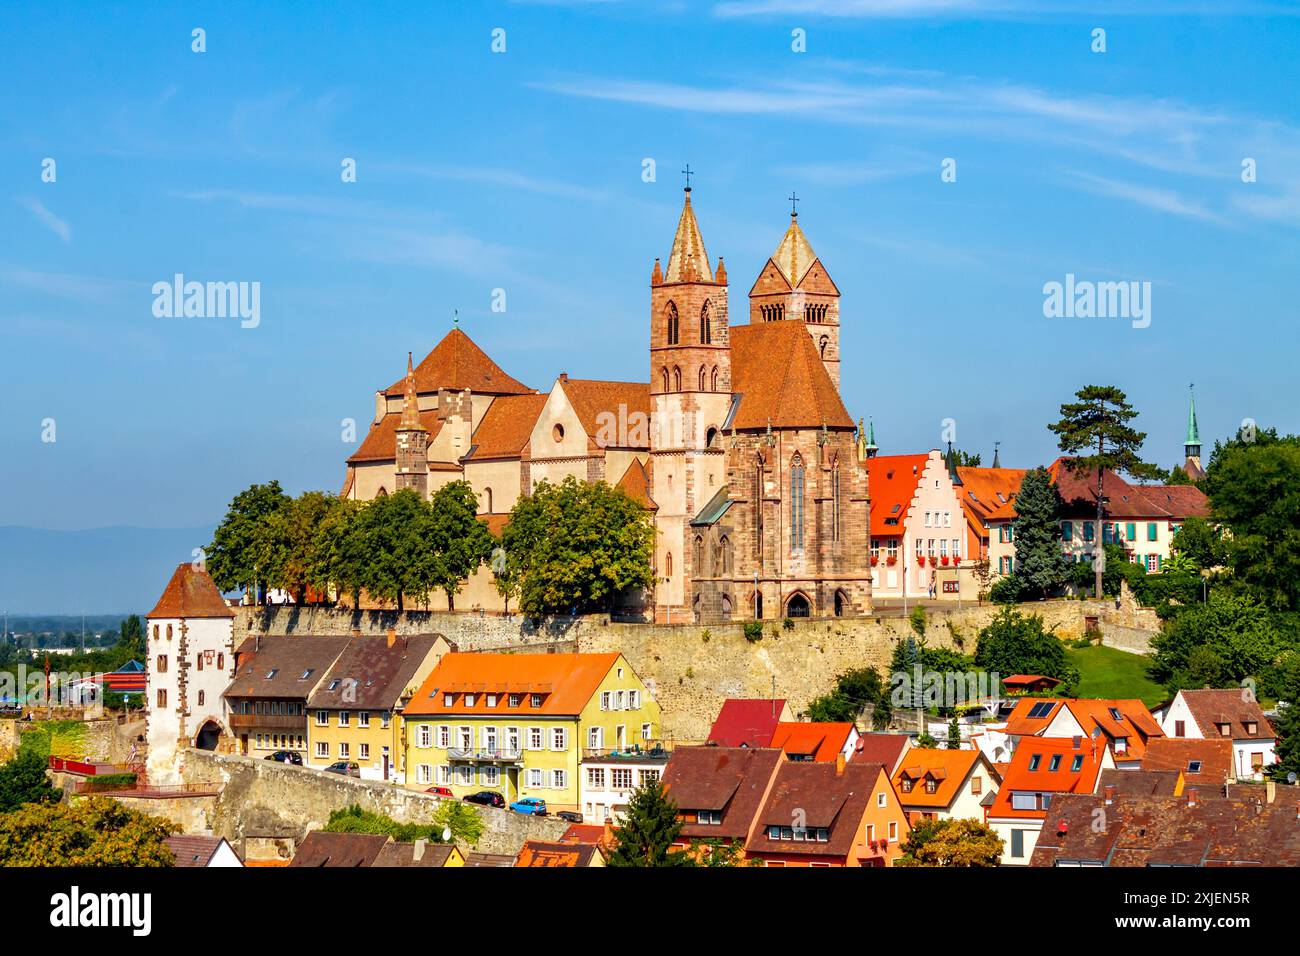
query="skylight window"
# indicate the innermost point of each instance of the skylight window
(1114, 712)
(1034, 761)
(1040, 710)
(1077, 764)
(1194, 767)
(272, 672)
(307, 673)
(1055, 763)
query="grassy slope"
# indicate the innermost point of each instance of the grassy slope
(1107, 673)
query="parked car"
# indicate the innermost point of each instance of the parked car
(532, 806)
(569, 816)
(286, 756)
(344, 768)
(440, 791)
(487, 798)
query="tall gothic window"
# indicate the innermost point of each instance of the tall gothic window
(664, 372)
(701, 378)
(796, 504)
(674, 325)
(713, 384)
(677, 379)
(758, 512)
(706, 326)
(835, 502)
(699, 557)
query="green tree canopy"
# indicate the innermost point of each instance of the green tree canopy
(574, 546)
(95, 831)
(952, 842)
(396, 532)
(23, 780)
(1220, 643)
(648, 831)
(1015, 643)
(854, 691)
(459, 540)
(290, 531)
(244, 552)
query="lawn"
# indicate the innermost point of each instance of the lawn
(1116, 675)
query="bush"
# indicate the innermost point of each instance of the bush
(1006, 590)
(753, 631)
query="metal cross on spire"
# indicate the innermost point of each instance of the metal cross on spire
(455, 317)
(687, 173)
(794, 200)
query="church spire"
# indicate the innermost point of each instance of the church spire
(1192, 445)
(996, 461)
(410, 420)
(794, 255)
(688, 261)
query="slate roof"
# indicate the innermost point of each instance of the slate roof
(1171, 831)
(732, 780)
(457, 363)
(283, 667)
(190, 594)
(371, 673)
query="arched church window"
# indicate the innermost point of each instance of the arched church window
(711, 437)
(702, 377)
(668, 565)
(824, 342)
(699, 556)
(674, 324)
(713, 382)
(706, 325)
(677, 379)
(724, 545)
(664, 372)
(487, 499)
(796, 503)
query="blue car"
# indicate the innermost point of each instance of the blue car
(532, 806)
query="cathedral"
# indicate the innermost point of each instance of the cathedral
(739, 445)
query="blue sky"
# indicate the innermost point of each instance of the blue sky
(522, 171)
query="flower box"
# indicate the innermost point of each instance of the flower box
(891, 560)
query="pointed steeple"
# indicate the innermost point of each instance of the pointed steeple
(1193, 433)
(996, 462)
(794, 255)
(871, 439)
(950, 460)
(410, 420)
(688, 261)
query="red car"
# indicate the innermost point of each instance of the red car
(440, 791)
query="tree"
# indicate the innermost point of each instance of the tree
(1098, 424)
(1254, 493)
(648, 831)
(1014, 643)
(1201, 543)
(395, 531)
(460, 818)
(854, 691)
(95, 831)
(951, 842)
(23, 780)
(290, 531)
(1230, 638)
(336, 555)
(243, 551)
(572, 547)
(1037, 533)
(965, 459)
(130, 641)
(459, 540)
(954, 734)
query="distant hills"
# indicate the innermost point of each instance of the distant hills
(112, 571)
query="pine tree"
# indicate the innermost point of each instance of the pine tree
(649, 828)
(1039, 562)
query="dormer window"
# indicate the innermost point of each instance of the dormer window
(448, 699)
(931, 785)
(513, 700)
(469, 700)
(1225, 730)
(907, 784)
(491, 700)
(1121, 745)
(534, 700)
(1251, 727)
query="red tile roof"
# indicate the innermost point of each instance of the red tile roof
(746, 722)
(987, 493)
(191, 594)
(1135, 722)
(537, 853)
(380, 443)
(1065, 779)
(636, 483)
(1214, 758)
(780, 377)
(457, 363)
(948, 768)
(891, 482)
(193, 851)
(824, 741)
(731, 780)
(338, 849)
(506, 426)
(1124, 499)
(1234, 706)
(823, 797)
(606, 410)
(882, 748)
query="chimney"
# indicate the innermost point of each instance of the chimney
(392, 637)
(1297, 811)
(417, 854)
(839, 765)
(564, 376)
(1270, 791)
(1110, 794)
(1193, 798)
(1077, 741)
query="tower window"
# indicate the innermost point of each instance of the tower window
(677, 379)
(706, 326)
(796, 504)
(702, 377)
(674, 325)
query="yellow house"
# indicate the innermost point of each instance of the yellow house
(355, 712)
(519, 724)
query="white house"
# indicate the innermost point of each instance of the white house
(202, 851)
(607, 780)
(1231, 714)
(191, 659)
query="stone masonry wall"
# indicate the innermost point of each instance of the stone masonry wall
(265, 799)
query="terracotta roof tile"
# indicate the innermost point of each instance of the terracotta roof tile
(566, 681)
(380, 443)
(891, 482)
(1212, 759)
(732, 780)
(193, 850)
(537, 853)
(823, 797)
(747, 721)
(371, 673)
(191, 594)
(283, 666)
(598, 404)
(1042, 778)
(987, 493)
(403, 855)
(506, 426)
(457, 363)
(1139, 783)
(339, 849)
(948, 768)
(636, 483)
(883, 748)
(1213, 707)
(824, 741)
(780, 377)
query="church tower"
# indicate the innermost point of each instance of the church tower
(690, 398)
(412, 456)
(794, 285)
(1192, 446)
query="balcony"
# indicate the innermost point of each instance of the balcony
(268, 722)
(487, 754)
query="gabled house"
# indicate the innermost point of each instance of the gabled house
(335, 850)
(883, 748)
(1125, 725)
(1203, 763)
(1231, 714)
(818, 742)
(1042, 770)
(202, 851)
(946, 784)
(719, 790)
(829, 814)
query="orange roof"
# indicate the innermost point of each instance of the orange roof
(636, 482)
(988, 492)
(891, 482)
(600, 405)
(780, 377)
(1135, 722)
(457, 363)
(506, 426)
(825, 741)
(1048, 751)
(191, 593)
(380, 443)
(948, 768)
(540, 853)
(496, 523)
(566, 682)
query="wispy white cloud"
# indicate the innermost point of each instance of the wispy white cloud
(47, 218)
(64, 285)
(1163, 200)
(490, 176)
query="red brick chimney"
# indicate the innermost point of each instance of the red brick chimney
(839, 765)
(1193, 797)
(1110, 794)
